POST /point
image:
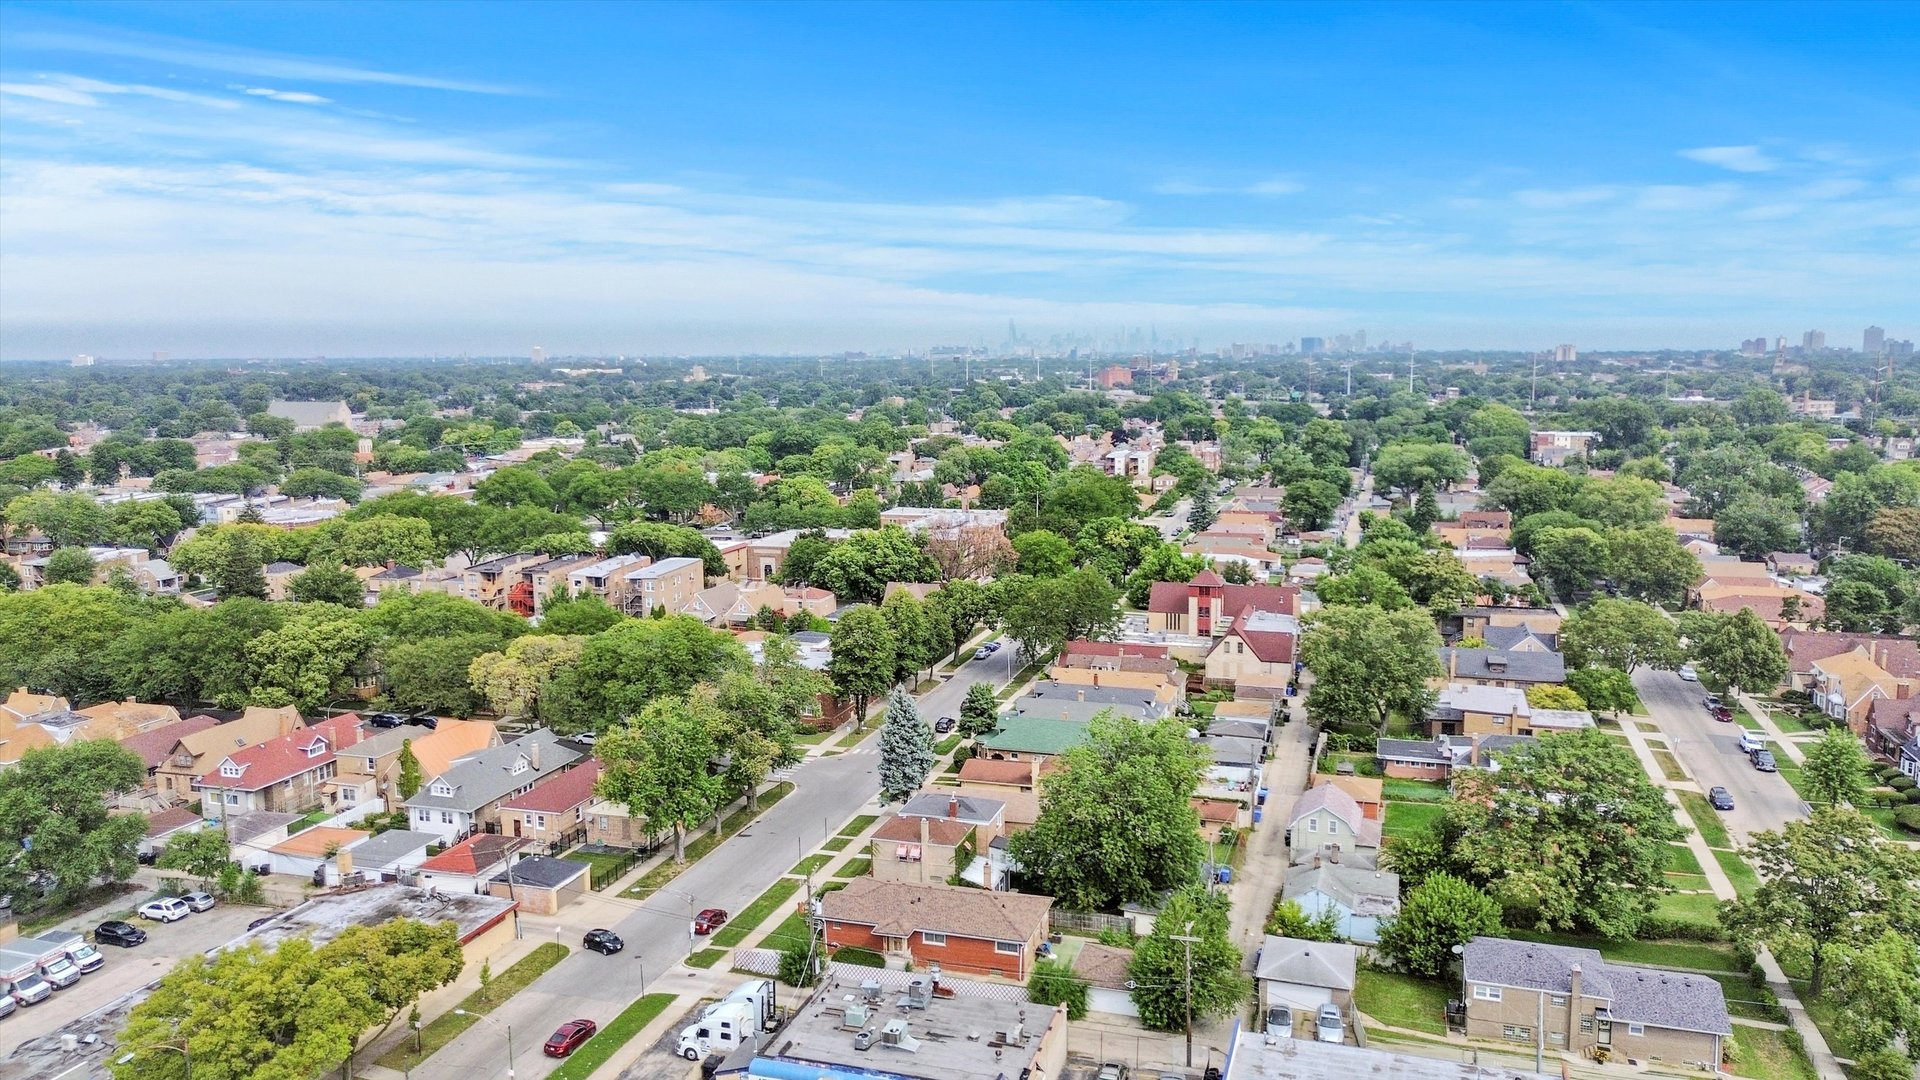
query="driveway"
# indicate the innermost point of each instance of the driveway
(1707, 747)
(125, 969)
(827, 791)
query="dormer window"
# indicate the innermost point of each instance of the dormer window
(519, 766)
(443, 790)
(316, 748)
(230, 769)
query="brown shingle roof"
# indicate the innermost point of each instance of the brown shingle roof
(1104, 965)
(154, 746)
(557, 794)
(996, 771)
(907, 830)
(898, 909)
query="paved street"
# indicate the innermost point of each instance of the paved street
(827, 791)
(1761, 801)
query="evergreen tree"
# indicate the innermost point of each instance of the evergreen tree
(1426, 510)
(239, 573)
(1200, 518)
(410, 778)
(906, 749)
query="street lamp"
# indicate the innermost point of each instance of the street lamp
(508, 1028)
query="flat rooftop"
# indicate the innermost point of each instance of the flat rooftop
(321, 919)
(1256, 1057)
(958, 1038)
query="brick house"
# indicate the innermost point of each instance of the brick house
(963, 930)
(611, 824)
(1014, 783)
(196, 752)
(1503, 667)
(1439, 758)
(1643, 1013)
(154, 747)
(553, 814)
(669, 585)
(1255, 658)
(467, 796)
(1207, 606)
(285, 774)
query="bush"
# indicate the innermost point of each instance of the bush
(1118, 939)
(858, 957)
(962, 754)
(1913, 795)
(1054, 983)
(1908, 818)
(1903, 783)
(797, 967)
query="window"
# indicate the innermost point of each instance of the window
(233, 798)
(371, 764)
(1486, 993)
(349, 795)
(928, 937)
(446, 817)
(602, 823)
(1333, 827)
(1313, 824)
(579, 813)
(1557, 1002)
(1586, 1025)
(228, 768)
(540, 821)
(1499, 721)
(1520, 1034)
(1636, 1029)
(1557, 1038)
(1011, 948)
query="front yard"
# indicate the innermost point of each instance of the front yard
(1402, 1001)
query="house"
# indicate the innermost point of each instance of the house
(924, 850)
(1234, 765)
(602, 578)
(372, 770)
(1792, 563)
(1326, 818)
(729, 603)
(542, 885)
(282, 774)
(666, 585)
(1474, 709)
(1556, 447)
(1164, 686)
(311, 415)
(1440, 757)
(1016, 784)
(1572, 1001)
(1106, 970)
(164, 825)
(974, 1034)
(319, 853)
(251, 836)
(1217, 816)
(1365, 790)
(1050, 698)
(491, 581)
(196, 752)
(1503, 667)
(467, 866)
(1845, 686)
(129, 717)
(1207, 606)
(1475, 621)
(553, 814)
(388, 855)
(1522, 639)
(1305, 975)
(280, 575)
(1030, 738)
(467, 796)
(1893, 733)
(1358, 897)
(1221, 548)
(1898, 656)
(153, 747)
(1256, 657)
(536, 584)
(961, 929)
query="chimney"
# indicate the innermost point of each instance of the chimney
(1316, 860)
(533, 754)
(1573, 989)
(953, 806)
(1080, 695)
(1453, 663)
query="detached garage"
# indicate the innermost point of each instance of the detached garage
(542, 885)
(1109, 987)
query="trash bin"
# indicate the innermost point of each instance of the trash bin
(1256, 815)
(1226, 875)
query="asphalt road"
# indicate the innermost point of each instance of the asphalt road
(827, 791)
(1707, 747)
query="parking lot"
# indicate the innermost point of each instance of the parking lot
(125, 969)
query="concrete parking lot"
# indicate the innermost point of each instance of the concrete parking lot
(125, 969)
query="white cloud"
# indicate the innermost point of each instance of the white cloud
(241, 61)
(1273, 186)
(59, 95)
(299, 97)
(1745, 159)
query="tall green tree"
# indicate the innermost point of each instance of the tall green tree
(1604, 689)
(863, 662)
(431, 675)
(204, 853)
(1368, 663)
(69, 566)
(54, 822)
(1571, 559)
(906, 749)
(1835, 770)
(858, 569)
(1439, 913)
(1042, 553)
(1622, 635)
(410, 778)
(1568, 834)
(1174, 980)
(1826, 882)
(239, 571)
(656, 766)
(1877, 987)
(979, 710)
(1649, 564)
(307, 660)
(1742, 652)
(918, 641)
(1144, 775)
(636, 662)
(327, 583)
(1045, 613)
(960, 607)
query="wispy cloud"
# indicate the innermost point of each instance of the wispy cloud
(1273, 186)
(299, 97)
(1744, 159)
(242, 61)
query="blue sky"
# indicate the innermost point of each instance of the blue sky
(307, 178)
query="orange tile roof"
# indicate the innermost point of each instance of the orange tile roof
(316, 841)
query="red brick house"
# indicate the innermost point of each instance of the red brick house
(961, 929)
(553, 813)
(1208, 607)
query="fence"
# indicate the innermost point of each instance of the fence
(1087, 922)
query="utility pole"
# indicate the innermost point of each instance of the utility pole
(1188, 939)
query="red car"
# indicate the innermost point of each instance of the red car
(709, 920)
(569, 1036)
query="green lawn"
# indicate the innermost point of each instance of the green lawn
(1787, 722)
(859, 825)
(1745, 881)
(1754, 1003)
(1681, 860)
(658, 877)
(607, 866)
(811, 864)
(791, 932)
(1825, 1016)
(445, 1027)
(855, 736)
(749, 918)
(814, 738)
(1670, 765)
(705, 958)
(946, 746)
(1706, 819)
(1395, 789)
(1698, 909)
(854, 868)
(1406, 818)
(1700, 955)
(1402, 1000)
(1764, 1054)
(616, 1034)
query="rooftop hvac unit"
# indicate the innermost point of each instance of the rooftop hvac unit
(919, 994)
(895, 1035)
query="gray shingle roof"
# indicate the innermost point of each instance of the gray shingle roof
(1634, 995)
(380, 850)
(489, 775)
(1510, 637)
(1356, 888)
(541, 872)
(1307, 963)
(1527, 667)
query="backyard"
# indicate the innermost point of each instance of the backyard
(1401, 1001)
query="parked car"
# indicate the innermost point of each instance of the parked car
(429, 722)
(29, 989)
(258, 923)
(1721, 798)
(7, 1004)
(1711, 701)
(386, 719)
(1751, 741)
(569, 1036)
(199, 901)
(944, 724)
(986, 650)
(1280, 1021)
(1112, 1070)
(165, 910)
(708, 921)
(1723, 714)
(1328, 1027)
(124, 934)
(1688, 673)
(1763, 761)
(605, 942)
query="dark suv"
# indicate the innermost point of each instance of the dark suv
(1763, 760)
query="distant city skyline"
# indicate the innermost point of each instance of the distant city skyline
(380, 180)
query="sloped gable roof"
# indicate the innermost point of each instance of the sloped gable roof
(286, 756)
(1329, 964)
(558, 794)
(898, 909)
